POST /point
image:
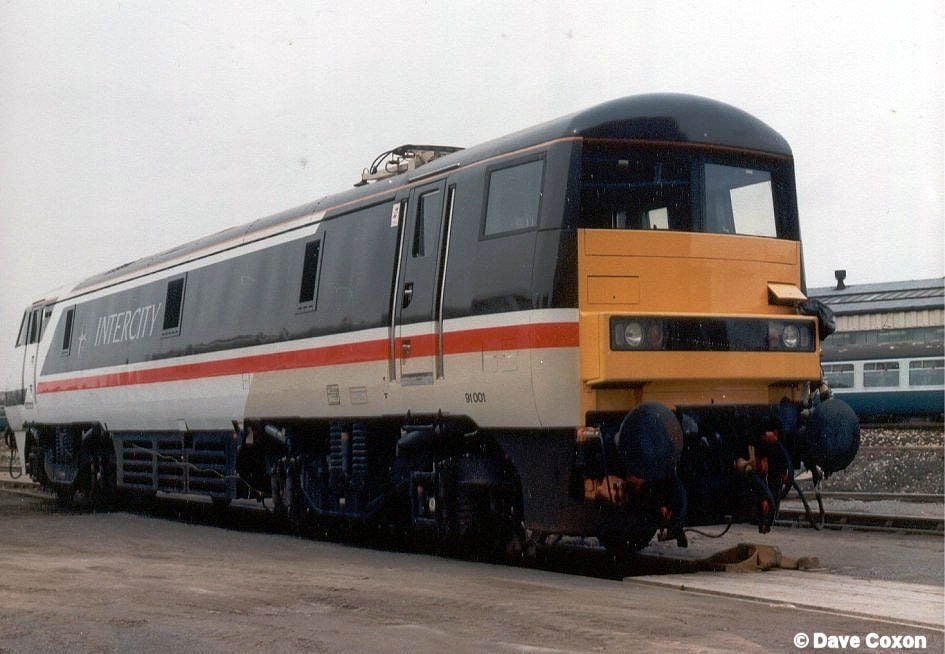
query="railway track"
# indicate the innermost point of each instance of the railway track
(864, 521)
(878, 496)
(834, 518)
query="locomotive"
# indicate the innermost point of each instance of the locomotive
(596, 326)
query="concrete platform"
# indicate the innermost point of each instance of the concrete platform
(899, 578)
(907, 604)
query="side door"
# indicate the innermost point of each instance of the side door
(15, 380)
(415, 324)
(30, 356)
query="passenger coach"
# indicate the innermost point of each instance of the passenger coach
(594, 326)
(905, 382)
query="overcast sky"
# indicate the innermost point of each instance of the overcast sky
(129, 127)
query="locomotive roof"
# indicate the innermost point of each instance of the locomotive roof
(657, 117)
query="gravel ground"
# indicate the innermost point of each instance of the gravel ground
(912, 437)
(895, 461)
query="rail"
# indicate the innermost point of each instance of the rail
(837, 520)
(878, 496)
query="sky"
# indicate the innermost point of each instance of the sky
(129, 127)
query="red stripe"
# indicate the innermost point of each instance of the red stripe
(516, 337)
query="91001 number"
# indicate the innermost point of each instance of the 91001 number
(475, 398)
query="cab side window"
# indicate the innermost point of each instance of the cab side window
(514, 197)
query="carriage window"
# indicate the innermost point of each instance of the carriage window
(34, 327)
(881, 374)
(636, 192)
(67, 331)
(47, 314)
(738, 201)
(658, 218)
(309, 275)
(24, 325)
(929, 372)
(428, 218)
(514, 198)
(173, 302)
(627, 187)
(839, 375)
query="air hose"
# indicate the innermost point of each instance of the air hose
(11, 445)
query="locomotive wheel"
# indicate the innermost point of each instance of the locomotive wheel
(102, 487)
(289, 504)
(484, 523)
(618, 537)
(622, 546)
(220, 504)
(65, 496)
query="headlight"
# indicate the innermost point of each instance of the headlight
(633, 334)
(790, 337)
(630, 333)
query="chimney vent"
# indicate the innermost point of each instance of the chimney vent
(840, 275)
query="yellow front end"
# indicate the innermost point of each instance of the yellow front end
(668, 274)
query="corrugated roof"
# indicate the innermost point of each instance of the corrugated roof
(910, 295)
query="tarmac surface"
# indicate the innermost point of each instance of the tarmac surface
(149, 582)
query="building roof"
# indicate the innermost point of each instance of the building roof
(885, 297)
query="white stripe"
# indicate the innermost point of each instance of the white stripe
(511, 319)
